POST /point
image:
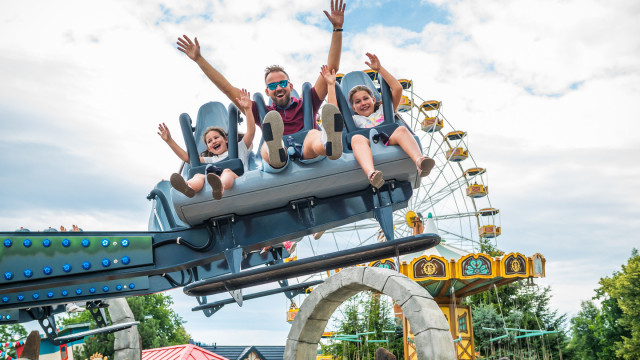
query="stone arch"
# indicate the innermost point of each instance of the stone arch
(428, 324)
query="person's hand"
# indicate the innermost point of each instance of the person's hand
(337, 14)
(245, 100)
(373, 62)
(328, 75)
(188, 47)
(164, 133)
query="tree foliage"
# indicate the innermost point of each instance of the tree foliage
(610, 331)
(159, 326)
(624, 287)
(11, 333)
(362, 313)
(595, 331)
(585, 344)
(516, 306)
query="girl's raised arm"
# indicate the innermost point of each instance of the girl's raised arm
(394, 84)
(245, 106)
(164, 133)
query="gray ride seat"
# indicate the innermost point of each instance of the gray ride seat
(211, 114)
(391, 122)
(257, 191)
(163, 216)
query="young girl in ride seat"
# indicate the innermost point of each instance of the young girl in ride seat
(217, 141)
(368, 113)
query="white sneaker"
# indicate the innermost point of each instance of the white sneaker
(73, 308)
(332, 125)
(272, 132)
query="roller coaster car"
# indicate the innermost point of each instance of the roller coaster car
(258, 191)
(205, 245)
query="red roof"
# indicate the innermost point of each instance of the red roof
(180, 352)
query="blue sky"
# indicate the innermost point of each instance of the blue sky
(545, 89)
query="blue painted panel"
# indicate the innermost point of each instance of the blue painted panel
(64, 254)
(75, 292)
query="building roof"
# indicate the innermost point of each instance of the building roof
(239, 352)
(180, 352)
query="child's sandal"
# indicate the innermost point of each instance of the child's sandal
(375, 178)
(424, 165)
(265, 250)
(216, 185)
(178, 183)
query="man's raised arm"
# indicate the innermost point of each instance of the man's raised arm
(193, 52)
(333, 63)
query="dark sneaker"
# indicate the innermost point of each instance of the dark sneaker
(332, 123)
(178, 183)
(272, 131)
(216, 185)
(375, 179)
(424, 165)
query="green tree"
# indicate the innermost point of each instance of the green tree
(485, 317)
(605, 332)
(610, 330)
(624, 287)
(11, 333)
(522, 307)
(585, 343)
(159, 326)
(362, 313)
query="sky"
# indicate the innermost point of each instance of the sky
(547, 91)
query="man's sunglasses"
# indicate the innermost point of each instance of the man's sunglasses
(274, 85)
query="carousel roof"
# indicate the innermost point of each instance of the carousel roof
(444, 250)
(447, 271)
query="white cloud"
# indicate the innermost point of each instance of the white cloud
(88, 221)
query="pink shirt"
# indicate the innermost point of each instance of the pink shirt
(292, 115)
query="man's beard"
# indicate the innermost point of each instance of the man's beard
(281, 102)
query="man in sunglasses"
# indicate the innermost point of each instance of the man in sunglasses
(285, 114)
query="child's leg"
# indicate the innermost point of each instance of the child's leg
(403, 137)
(228, 178)
(221, 183)
(362, 153)
(196, 182)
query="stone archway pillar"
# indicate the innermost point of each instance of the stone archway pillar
(428, 324)
(127, 344)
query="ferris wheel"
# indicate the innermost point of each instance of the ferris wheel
(455, 194)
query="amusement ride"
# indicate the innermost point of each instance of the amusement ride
(431, 229)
